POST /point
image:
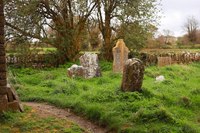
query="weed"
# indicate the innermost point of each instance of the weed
(72, 88)
(94, 112)
(106, 66)
(102, 81)
(195, 91)
(112, 75)
(185, 101)
(48, 84)
(188, 129)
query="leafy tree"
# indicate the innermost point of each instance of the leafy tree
(130, 18)
(65, 18)
(94, 34)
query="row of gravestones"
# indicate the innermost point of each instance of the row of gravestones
(132, 69)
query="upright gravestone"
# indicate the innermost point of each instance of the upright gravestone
(164, 61)
(90, 63)
(120, 55)
(133, 74)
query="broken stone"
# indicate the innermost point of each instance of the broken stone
(76, 71)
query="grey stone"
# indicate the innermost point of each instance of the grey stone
(160, 78)
(76, 71)
(90, 63)
(133, 74)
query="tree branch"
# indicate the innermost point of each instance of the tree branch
(23, 32)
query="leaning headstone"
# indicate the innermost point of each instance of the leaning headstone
(120, 55)
(164, 61)
(76, 71)
(133, 74)
(90, 63)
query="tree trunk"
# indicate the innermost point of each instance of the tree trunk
(3, 81)
(3, 77)
(8, 96)
(107, 39)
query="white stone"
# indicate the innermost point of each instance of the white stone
(160, 78)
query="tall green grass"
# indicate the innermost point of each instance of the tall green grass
(169, 106)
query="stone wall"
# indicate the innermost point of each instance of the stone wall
(179, 58)
(33, 60)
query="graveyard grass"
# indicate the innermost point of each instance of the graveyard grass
(170, 106)
(29, 121)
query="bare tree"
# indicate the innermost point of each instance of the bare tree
(167, 34)
(191, 26)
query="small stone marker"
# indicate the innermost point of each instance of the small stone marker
(164, 61)
(133, 74)
(160, 78)
(120, 55)
(91, 64)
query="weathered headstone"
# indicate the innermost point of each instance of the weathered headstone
(133, 74)
(120, 55)
(76, 71)
(91, 64)
(164, 61)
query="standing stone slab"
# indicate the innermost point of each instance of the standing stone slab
(164, 61)
(120, 55)
(133, 74)
(90, 63)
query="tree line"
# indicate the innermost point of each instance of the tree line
(69, 24)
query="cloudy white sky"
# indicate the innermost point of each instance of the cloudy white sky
(175, 13)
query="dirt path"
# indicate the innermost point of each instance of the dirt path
(46, 110)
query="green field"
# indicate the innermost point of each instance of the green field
(171, 106)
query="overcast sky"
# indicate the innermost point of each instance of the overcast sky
(175, 13)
